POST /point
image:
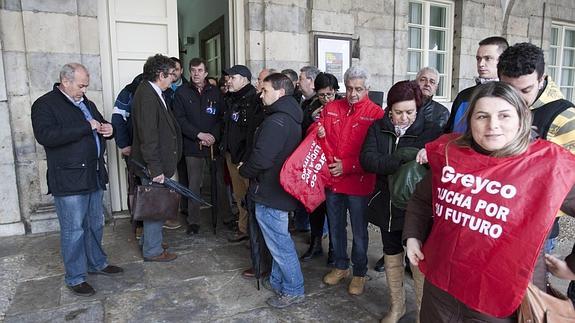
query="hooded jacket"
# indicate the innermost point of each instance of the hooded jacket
(274, 141)
(345, 129)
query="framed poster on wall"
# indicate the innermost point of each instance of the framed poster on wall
(333, 55)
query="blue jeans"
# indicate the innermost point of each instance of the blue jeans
(337, 206)
(81, 220)
(152, 239)
(286, 275)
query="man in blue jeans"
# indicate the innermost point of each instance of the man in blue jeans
(73, 134)
(274, 141)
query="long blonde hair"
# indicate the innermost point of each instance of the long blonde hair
(506, 92)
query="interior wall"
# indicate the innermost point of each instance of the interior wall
(193, 16)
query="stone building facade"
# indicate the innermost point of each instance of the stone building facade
(38, 36)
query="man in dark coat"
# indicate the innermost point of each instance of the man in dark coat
(428, 80)
(243, 115)
(72, 132)
(157, 141)
(198, 108)
(487, 58)
(274, 141)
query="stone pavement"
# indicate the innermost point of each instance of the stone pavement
(203, 284)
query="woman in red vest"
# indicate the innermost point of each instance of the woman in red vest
(476, 224)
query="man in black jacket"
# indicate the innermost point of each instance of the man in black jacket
(274, 141)
(198, 108)
(73, 134)
(428, 80)
(243, 115)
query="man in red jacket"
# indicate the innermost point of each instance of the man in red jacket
(344, 124)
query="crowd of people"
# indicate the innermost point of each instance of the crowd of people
(470, 177)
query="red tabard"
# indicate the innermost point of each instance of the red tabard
(491, 217)
(304, 173)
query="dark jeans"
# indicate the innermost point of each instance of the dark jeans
(391, 242)
(317, 220)
(337, 207)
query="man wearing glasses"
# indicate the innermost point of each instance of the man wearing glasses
(344, 124)
(157, 141)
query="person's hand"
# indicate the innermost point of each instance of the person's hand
(126, 151)
(320, 131)
(558, 267)
(336, 168)
(206, 139)
(105, 129)
(414, 253)
(94, 124)
(159, 179)
(421, 156)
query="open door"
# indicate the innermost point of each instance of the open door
(134, 30)
(211, 46)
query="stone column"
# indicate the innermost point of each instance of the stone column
(10, 217)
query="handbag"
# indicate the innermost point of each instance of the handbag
(155, 202)
(541, 307)
(402, 183)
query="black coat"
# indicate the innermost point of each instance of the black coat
(376, 157)
(435, 112)
(74, 166)
(244, 113)
(157, 137)
(197, 113)
(274, 141)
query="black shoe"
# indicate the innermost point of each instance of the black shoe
(108, 271)
(314, 250)
(192, 229)
(379, 265)
(238, 237)
(82, 289)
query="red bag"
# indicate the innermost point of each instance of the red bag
(304, 173)
(491, 217)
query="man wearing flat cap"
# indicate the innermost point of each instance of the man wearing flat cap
(243, 115)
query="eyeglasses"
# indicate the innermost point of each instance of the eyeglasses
(326, 95)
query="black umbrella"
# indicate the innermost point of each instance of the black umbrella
(170, 183)
(260, 255)
(214, 187)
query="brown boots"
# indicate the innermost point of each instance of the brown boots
(394, 271)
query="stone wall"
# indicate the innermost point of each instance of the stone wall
(38, 37)
(280, 32)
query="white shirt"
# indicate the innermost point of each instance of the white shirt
(159, 92)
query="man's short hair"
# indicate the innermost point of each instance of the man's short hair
(356, 72)
(197, 61)
(155, 65)
(521, 59)
(310, 71)
(428, 69)
(291, 74)
(280, 81)
(500, 42)
(176, 60)
(68, 71)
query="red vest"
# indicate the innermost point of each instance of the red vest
(491, 217)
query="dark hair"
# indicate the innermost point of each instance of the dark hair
(508, 93)
(176, 60)
(521, 59)
(155, 65)
(500, 42)
(197, 61)
(405, 91)
(280, 81)
(325, 80)
(290, 73)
